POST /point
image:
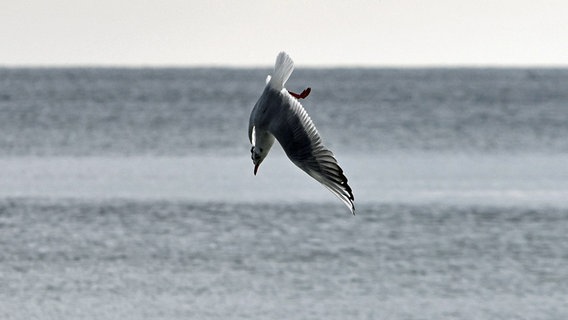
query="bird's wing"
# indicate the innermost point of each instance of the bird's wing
(299, 138)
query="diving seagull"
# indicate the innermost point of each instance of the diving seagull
(278, 114)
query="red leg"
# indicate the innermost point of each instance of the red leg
(302, 95)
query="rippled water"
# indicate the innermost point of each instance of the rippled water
(195, 111)
(129, 194)
(174, 260)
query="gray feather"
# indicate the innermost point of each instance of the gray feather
(284, 117)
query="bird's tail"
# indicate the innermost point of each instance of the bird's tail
(282, 71)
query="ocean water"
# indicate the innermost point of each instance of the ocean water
(129, 194)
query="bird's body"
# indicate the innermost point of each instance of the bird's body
(279, 115)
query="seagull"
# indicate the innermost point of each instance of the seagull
(279, 115)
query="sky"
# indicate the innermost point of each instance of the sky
(315, 33)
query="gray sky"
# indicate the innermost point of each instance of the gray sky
(315, 33)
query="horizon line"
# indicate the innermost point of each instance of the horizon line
(269, 66)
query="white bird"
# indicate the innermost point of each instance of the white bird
(278, 114)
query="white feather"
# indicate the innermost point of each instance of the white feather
(282, 70)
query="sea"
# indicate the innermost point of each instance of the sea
(129, 193)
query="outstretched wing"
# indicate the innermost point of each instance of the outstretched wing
(298, 136)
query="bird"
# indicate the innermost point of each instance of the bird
(278, 115)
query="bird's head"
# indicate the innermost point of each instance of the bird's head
(257, 156)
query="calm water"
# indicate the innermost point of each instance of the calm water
(129, 194)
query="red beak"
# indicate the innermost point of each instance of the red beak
(256, 168)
